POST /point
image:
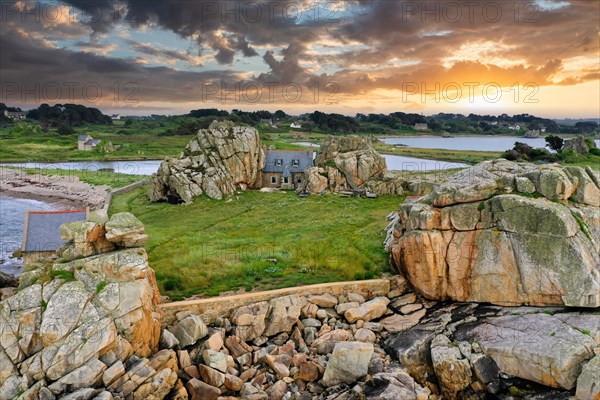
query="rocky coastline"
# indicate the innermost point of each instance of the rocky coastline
(89, 324)
(65, 191)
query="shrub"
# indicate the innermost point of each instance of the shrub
(64, 274)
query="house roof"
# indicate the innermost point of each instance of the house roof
(42, 228)
(92, 141)
(287, 166)
(83, 137)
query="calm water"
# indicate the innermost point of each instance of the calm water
(147, 167)
(492, 143)
(400, 163)
(12, 217)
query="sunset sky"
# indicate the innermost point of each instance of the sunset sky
(369, 56)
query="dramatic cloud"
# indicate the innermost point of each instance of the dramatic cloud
(359, 49)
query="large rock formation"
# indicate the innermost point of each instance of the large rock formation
(87, 324)
(504, 233)
(217, 162)
(580, 144)
(347, 163)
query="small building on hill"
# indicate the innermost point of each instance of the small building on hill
(421, 127)
(87, 143)
(15, 115)
(284, 169)
(41, 232)
(296, 125)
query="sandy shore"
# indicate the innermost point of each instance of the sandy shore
(66, 191)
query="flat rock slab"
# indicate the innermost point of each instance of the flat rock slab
(537, 347)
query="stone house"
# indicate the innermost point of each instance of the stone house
(295, 125)
(15, 115)
(421, 127)
(284, 169)
(87, 143)
(41, 232)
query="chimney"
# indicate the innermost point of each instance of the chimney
(311, 152)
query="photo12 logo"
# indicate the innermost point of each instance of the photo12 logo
(122, 11)
(56, 92)
(269, 92)
(454, 92)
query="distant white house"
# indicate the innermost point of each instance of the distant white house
(421, 127)
(295, 125)
(514, 127)
(87, 143)
(15, 115)
(115, 117)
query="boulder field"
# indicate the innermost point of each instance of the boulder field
(504, 233)
(89, 325)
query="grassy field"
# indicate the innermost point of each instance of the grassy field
(261, 240)
(53, 147)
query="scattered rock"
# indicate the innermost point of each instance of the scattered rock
(368, 311)
(189, 330)
(349, 362)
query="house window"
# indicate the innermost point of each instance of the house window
(279, 162)
(299, 180)
(286, 180)
(273, 179)
(296, 163)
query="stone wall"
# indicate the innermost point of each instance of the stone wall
(212, 308)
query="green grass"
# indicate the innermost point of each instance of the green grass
(51, 147)
(100, 286)
(64, 274)
(582, 225)
(261, 240)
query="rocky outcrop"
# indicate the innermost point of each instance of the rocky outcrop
(463, 351)
(87, 325)
(504, 233)
(217, 162)
(580, 144)
(346, 163)
(536, 347)
(8, 285)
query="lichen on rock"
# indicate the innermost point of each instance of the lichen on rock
(485, 236)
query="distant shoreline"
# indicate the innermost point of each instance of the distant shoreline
(59, 202)
(16, 163)
(63, 191)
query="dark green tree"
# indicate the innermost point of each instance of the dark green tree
(556, 143)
